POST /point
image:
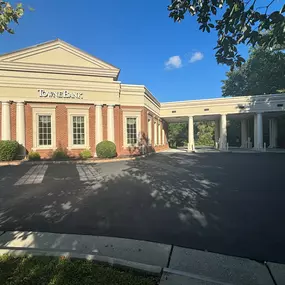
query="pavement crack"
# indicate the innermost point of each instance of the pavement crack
(271, 275)
(170, 255)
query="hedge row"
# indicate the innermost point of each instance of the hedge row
(104, 149)
(10, 149)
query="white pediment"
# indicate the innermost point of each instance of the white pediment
(56, 53)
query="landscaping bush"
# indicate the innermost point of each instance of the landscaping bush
(106, 149)
(8, 150)
(85, 154)
(60, 154)
(33, 155)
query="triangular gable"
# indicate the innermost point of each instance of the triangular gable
(55, 53)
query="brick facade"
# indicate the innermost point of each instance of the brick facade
(13, 120)
(29, 127)
(62, 128)
(105, 124)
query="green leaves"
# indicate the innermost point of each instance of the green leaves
(177, 134)
(241, 22)
(263, 72)
(205, 132)
(8, 15)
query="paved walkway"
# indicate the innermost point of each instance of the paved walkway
(175, 265)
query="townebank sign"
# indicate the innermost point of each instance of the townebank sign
(60, 94)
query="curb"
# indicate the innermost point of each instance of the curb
(16, 163)
(200, 278)
(114, 262)
(28, 162)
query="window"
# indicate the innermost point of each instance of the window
(44, 127)
(44, 130)
(78, 128)
(131, 131)
(131, 127)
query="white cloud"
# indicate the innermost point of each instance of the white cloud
(196, 56)
(173, 62)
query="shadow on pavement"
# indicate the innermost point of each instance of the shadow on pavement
(226, 203)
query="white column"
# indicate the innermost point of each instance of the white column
(155, 133)
(111, 123)
(163, 136)
(6, 121)
(249, 139)
(258, 143)
(217, 133)
(159, 133)
(223, 132)
(244, 136)
(191, 143)
(255, 131)
(273, 133)
(20, 125)
(98, 124)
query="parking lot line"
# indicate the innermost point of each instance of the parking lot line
(35, 175)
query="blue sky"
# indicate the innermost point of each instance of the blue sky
(174, 60)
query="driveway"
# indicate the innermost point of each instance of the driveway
(220, 202)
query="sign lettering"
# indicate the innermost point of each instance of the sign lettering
(60, 94)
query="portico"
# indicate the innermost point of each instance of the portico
(243, 109)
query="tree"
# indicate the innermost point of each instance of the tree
(263, 73)
(8, 15)
(177, 134)
(236, 22)
(205, 132)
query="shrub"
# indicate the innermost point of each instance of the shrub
(8, 150)
(33, 155)
(106, 149)
(60, 154)
(85, 154)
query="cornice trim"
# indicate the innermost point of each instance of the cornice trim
(58, 69)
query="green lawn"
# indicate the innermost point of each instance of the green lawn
(57, 271)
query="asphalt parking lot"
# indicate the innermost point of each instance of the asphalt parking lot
(228, 203)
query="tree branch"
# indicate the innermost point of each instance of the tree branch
(266, 7)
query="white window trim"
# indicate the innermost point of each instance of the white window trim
(131, 114)
(83, 112)
(43, 111)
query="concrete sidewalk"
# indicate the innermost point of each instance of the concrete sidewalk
(175, 265)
